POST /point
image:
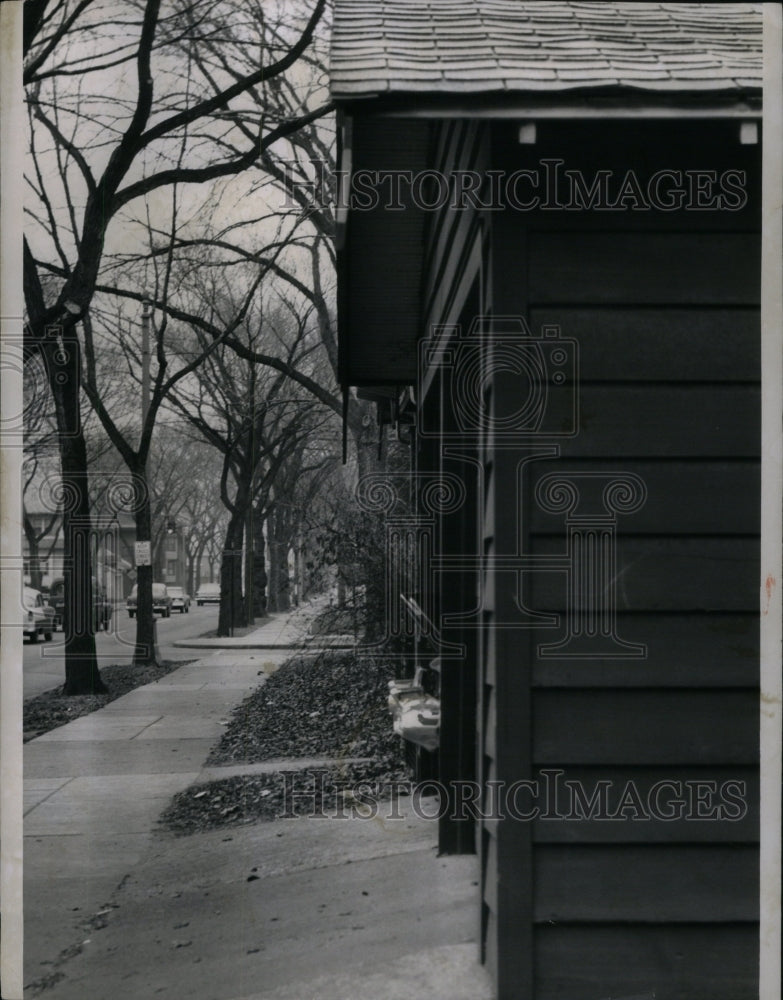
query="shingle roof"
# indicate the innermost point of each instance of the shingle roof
(395, 47)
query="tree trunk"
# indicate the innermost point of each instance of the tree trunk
(158, 556)
(232, 609)
(146, 652)
(33, 553)
(259, 567)
(81, 666)
(273, 554)
(194, 569)
(249, 566)
(299, 572)
(190, 575)
(279, 582)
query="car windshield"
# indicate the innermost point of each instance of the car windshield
(158, 590)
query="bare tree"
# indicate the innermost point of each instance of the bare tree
(95, 158)
(255, 418)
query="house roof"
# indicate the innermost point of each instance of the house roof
(474, 47)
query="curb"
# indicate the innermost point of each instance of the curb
(228, 644)
(310, 645)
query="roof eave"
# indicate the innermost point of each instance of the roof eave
(609, 102)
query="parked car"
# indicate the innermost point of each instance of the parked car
(180, 601)
(38, 617)
(161, 601)
(208, 593)
(101, 605)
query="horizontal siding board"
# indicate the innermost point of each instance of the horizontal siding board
(668, 963)
(710, 650)
(664, 574)
(667, 421)
(686, 268)
(630, 727)
(674, 883)
(684, 805)
(663, 344)
(706, 497)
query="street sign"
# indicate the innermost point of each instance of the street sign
(143, 553)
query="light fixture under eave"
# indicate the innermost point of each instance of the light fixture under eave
(749, 133)
(527, 134)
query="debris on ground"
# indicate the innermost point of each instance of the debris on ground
(331, 705)
(344, 790)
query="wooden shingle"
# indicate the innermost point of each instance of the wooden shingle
(513, 46)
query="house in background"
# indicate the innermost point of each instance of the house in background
(549, 236)
(113, 536)
(112, 553)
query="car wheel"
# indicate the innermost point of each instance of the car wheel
(167, 613)
(48, 636)
(200, 603)
(131, 614)
(187, 609)
(34, 636)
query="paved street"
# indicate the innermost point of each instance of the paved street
(44, 668)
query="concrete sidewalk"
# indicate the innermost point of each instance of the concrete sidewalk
(284, 630)
(308, 908)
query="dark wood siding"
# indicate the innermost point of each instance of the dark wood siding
(696, 961)
(664, 307)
